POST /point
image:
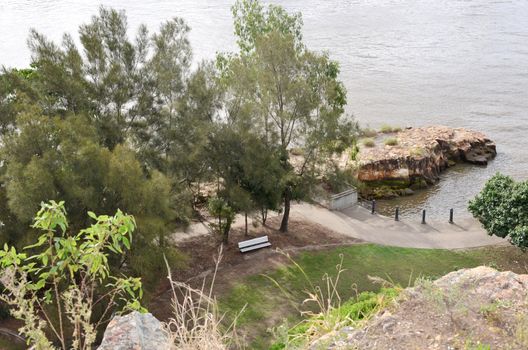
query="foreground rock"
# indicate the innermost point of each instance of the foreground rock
(134, 331)
(462, 310)
(419, 156)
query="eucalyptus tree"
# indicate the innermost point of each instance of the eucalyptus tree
(287, 93)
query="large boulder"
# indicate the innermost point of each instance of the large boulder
(135, 331)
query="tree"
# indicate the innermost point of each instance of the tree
(65, 291)
(115, 122)
(290, 95)
(502, 208)
(60, 158)
(140, 92)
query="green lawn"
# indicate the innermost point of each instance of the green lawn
(268, 304)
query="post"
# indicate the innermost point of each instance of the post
(397, 215)
(451, 215)
(373, 206)
(423, 217)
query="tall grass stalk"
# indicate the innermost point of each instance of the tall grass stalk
(196, 323)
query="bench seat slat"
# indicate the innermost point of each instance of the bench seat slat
(253, 241)
(254, 247)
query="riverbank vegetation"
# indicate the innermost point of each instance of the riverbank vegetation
(128, 122)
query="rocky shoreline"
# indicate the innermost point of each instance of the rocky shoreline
(415, 157)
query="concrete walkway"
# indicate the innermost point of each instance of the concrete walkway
(358, 222)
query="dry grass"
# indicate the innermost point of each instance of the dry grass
(196, 323)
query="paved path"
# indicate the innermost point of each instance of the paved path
(357, 222)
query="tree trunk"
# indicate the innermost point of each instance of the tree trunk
(286, 215)
(264, 213)
(227, 228)
(246, 224)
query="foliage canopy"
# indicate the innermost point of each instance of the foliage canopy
(502, 208)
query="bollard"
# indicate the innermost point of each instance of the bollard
(451, 215)
(423, 217)
(397, 215)
(373, 206)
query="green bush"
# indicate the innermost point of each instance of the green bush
(368, 132)
(391, 141)
(368, 142)
(65, 292)
(385, 128)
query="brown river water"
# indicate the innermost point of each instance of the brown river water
(404, 62)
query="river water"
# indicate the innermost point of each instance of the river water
(404, 62)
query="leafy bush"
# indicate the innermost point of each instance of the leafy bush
(502, 208)
(391, 141)
(339, 179)
(65, 291)
(368, 142)
(368, 132)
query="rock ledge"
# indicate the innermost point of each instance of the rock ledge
(420, 155)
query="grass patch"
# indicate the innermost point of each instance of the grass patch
(417, 152)
(391, 141)
(368, 132)
(363, 307)
(368, 142)
(386, 129)
(265, 302)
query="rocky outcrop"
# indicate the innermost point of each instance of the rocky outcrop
(134, 331)
(420, 155)
(461, 310)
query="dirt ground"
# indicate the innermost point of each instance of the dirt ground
(203, 252)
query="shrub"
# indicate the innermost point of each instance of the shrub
(386, 129)
(391, 141)
(65, 292)
(502, 209)
(368, 142)
(368, 132)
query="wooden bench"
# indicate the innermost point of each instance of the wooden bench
(254, 244)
